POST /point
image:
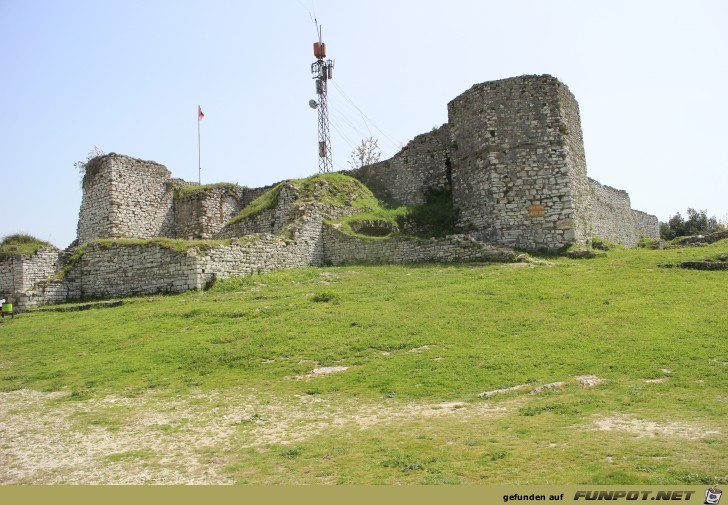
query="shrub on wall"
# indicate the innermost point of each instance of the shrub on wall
(90, 164)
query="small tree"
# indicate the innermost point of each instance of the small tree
(366, 154)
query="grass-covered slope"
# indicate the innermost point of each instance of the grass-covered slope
(406, 340)
(434, 218)
(329, 189)
(373, 218)
(20, 243)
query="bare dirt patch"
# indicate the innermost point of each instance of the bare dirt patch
(422, 349)
(324, 370)
(48, 439)
(647, 428)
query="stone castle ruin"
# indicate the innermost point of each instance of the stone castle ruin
(510, 160)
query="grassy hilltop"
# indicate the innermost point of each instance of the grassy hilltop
(607, 371)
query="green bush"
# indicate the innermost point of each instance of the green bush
(437, 216)
(697, 223)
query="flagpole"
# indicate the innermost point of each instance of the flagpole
(199, 156)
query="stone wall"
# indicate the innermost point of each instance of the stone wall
(118, 269)
(580, 198)
(612, 214)
(202, 212)
(111, 270)
(49, 292)
(22, 272)
(95, 215)
(43, 264)
(121, 269)
(290, 214)
(341, 249)
(420, 167)
(646, 225)
(613, 218)
(269, 220)
(515, 160)
(300, 244)
(511, 153)
(126, 197)
(265, 252)
(709, 238)
(7, 278)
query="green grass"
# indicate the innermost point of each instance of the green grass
(337, 190)
(425, 333)
(329, 189)
(375, 219)
(195, 190)
(267, 200)
(176, 245)
(20, 243)
(70, 262)
(130, 455)
(434, 218)
(386, 220)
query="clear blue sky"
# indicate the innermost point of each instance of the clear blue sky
(127, 76)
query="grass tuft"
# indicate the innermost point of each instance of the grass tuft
(20, 243)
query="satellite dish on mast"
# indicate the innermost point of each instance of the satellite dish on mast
(313, 104)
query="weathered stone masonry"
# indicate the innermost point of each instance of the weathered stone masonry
(201, 214)
(613, 218)
(22, 272)
(511, 156)
(512, 153)
(342, 249)
(125, 197)
(421, 167)
(519, 175)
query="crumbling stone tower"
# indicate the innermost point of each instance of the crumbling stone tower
(125, 197)
(518, 165)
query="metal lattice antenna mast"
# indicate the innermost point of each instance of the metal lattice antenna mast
(322, 71)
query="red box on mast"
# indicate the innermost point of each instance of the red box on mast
(319, 50)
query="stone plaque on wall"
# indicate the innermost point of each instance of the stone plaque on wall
(536, 210)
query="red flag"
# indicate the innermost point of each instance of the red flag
(200, 115)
